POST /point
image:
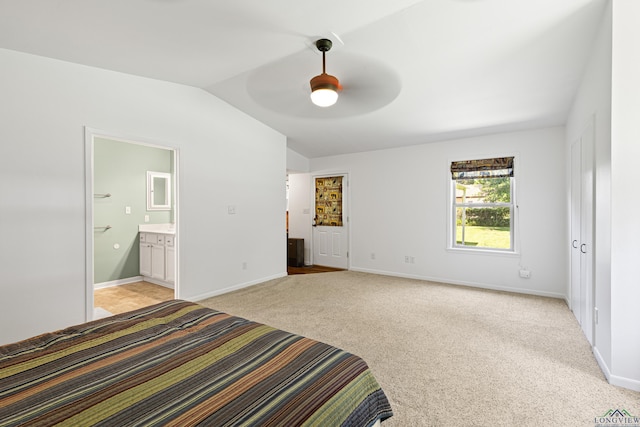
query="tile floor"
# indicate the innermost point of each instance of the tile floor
(119, 299)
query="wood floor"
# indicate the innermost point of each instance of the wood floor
(123, 298)
(311, 269)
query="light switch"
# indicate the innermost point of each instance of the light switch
(231, 209)
(127, 210)
(146, 218)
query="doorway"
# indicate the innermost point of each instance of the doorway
(122, 220)
(330, 234)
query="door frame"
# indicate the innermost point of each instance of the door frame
(346, 213)
(89, 136)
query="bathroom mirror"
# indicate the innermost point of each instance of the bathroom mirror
(158, 191)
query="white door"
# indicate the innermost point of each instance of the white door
(331, 224)
(145, 259)
(586, 230)
(157, 262)
(577, 294)
(170, 267)
(582, 292)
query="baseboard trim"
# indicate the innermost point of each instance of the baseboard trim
(462, 283)
(615, 380)
(226, 290)
(603, 366)
(625, 382)
(117, 282)
(158, 282)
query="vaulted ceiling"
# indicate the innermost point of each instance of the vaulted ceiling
(412, 71)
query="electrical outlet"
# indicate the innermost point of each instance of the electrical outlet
(373, 255)
(525, 274)
(406, 259)
(413, 260)
(244, 265)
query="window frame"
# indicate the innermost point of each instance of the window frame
(452, 243)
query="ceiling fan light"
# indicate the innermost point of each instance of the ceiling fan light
(324, 90)
(324, 97)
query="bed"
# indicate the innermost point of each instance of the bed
(178, 363)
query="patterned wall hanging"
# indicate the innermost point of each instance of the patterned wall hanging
(329, 201)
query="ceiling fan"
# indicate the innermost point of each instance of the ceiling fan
(324, 87)
(367, 83)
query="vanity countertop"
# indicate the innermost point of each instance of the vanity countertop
(157, 228)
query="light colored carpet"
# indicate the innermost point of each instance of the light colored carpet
(446, 355)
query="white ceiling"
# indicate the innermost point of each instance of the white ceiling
(413, 71)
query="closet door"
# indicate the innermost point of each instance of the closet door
(582, 206)
(577, 296)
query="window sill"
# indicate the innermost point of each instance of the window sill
(485, 252)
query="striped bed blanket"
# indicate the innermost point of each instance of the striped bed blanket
(180, 364)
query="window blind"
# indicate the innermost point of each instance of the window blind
(497, 167)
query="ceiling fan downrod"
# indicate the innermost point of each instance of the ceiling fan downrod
(324, 45)
(324, 87)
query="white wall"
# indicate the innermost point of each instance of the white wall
(593, 100)
(399, 200)
(625, 227)
(226, 158)
(610, 91)
(301, 210)
(300, 214)
(296, 162)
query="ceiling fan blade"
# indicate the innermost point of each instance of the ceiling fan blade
(283, 86)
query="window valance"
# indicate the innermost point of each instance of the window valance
(497, 167)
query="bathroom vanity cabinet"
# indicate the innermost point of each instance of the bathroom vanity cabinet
(158, 258)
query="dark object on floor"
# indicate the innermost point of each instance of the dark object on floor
(295, 252)
(310, 269)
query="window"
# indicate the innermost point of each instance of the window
(482, 193)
